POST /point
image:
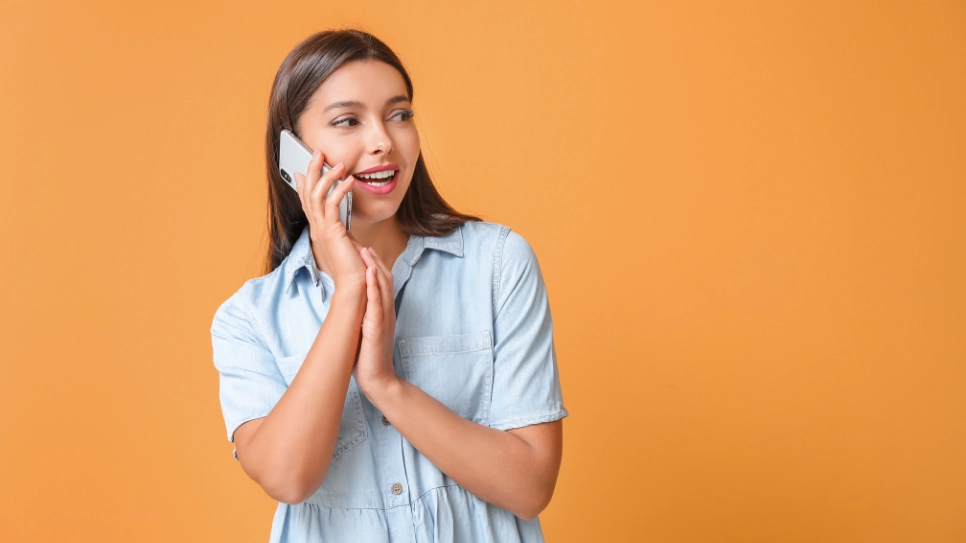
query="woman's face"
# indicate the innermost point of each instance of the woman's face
(361, 116)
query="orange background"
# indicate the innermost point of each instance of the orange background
(751, 217)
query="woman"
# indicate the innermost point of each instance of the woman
(398, 383)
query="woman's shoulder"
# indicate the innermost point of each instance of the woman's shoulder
(254, 292)
(495, 239)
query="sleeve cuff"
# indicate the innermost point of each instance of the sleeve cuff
(520, 422)
(232, 426)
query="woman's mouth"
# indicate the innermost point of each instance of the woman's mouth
(379, 182)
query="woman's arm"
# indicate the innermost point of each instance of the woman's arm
(515, 469)
(288, 452)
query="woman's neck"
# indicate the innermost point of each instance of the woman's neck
(386, 237)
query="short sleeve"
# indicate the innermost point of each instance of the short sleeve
(526, 383)
(250, 383)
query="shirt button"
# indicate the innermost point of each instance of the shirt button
(397, 489)
(385, 420)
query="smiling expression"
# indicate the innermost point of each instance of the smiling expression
(362, 116)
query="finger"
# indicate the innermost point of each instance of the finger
(314, 171)
(367, 258)
(322, 188)
(385, 283)
(310, 178)
(368, 318)
(332, 202)
(385, 277)
(373, 305)
(382, 265)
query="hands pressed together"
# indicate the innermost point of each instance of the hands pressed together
(355, 269)
(374, 368)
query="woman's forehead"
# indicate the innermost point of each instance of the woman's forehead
(368, 84)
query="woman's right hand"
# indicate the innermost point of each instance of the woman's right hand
(332, 247)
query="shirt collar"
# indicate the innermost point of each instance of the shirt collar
(300, 257)
(451, 243)
(301, 254)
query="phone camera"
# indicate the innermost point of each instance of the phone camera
(285, 175)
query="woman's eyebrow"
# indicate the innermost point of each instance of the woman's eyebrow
(360, 105)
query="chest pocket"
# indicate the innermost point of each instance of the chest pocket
(352, 429)
(456, 370)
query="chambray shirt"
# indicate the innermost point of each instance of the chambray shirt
(473, 330)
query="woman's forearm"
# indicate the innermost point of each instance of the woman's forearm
(497, 466)
(293, 447)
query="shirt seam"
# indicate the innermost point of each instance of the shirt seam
(409, 504)
(535, 419)
(526, 263)
(497, 279)
(498, 268)
(258, 331)
(247, 418)
(434, 353)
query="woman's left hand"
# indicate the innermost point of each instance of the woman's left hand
(374, 368)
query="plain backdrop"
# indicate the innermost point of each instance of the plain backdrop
(749, 215)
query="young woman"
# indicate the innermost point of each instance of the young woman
(399, 382)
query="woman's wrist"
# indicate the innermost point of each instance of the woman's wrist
(385, 392)
(350, 296)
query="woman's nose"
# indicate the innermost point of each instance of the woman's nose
(379, 140)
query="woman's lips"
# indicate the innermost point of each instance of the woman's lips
(384, 189)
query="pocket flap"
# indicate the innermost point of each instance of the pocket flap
(433, 345)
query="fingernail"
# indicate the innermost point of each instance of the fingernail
(339, 165)
(315, 153)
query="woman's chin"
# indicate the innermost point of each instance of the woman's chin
(370, 217)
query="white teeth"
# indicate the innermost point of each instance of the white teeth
(385, 174)
(377, 184)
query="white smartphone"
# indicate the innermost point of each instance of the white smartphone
(294, 156)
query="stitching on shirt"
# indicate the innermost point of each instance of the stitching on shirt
(431, 353)
(498, 265)
(254, 325)
(409, 504)
(529, 262)
(497, 275)
(526, 421)
(406, 351)
(238, 422)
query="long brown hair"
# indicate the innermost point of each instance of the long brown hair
(422, 211)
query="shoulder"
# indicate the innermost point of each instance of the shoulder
(238, 309)
(514, 262)
(505, 244)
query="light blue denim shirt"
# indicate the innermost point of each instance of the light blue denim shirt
(473, 330)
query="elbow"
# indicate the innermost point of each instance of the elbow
(292, 488)
(529, 513)
(291, 494)
(534, 506)
(291, 498)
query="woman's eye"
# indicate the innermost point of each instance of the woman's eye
(345, 121)
(403, 115)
